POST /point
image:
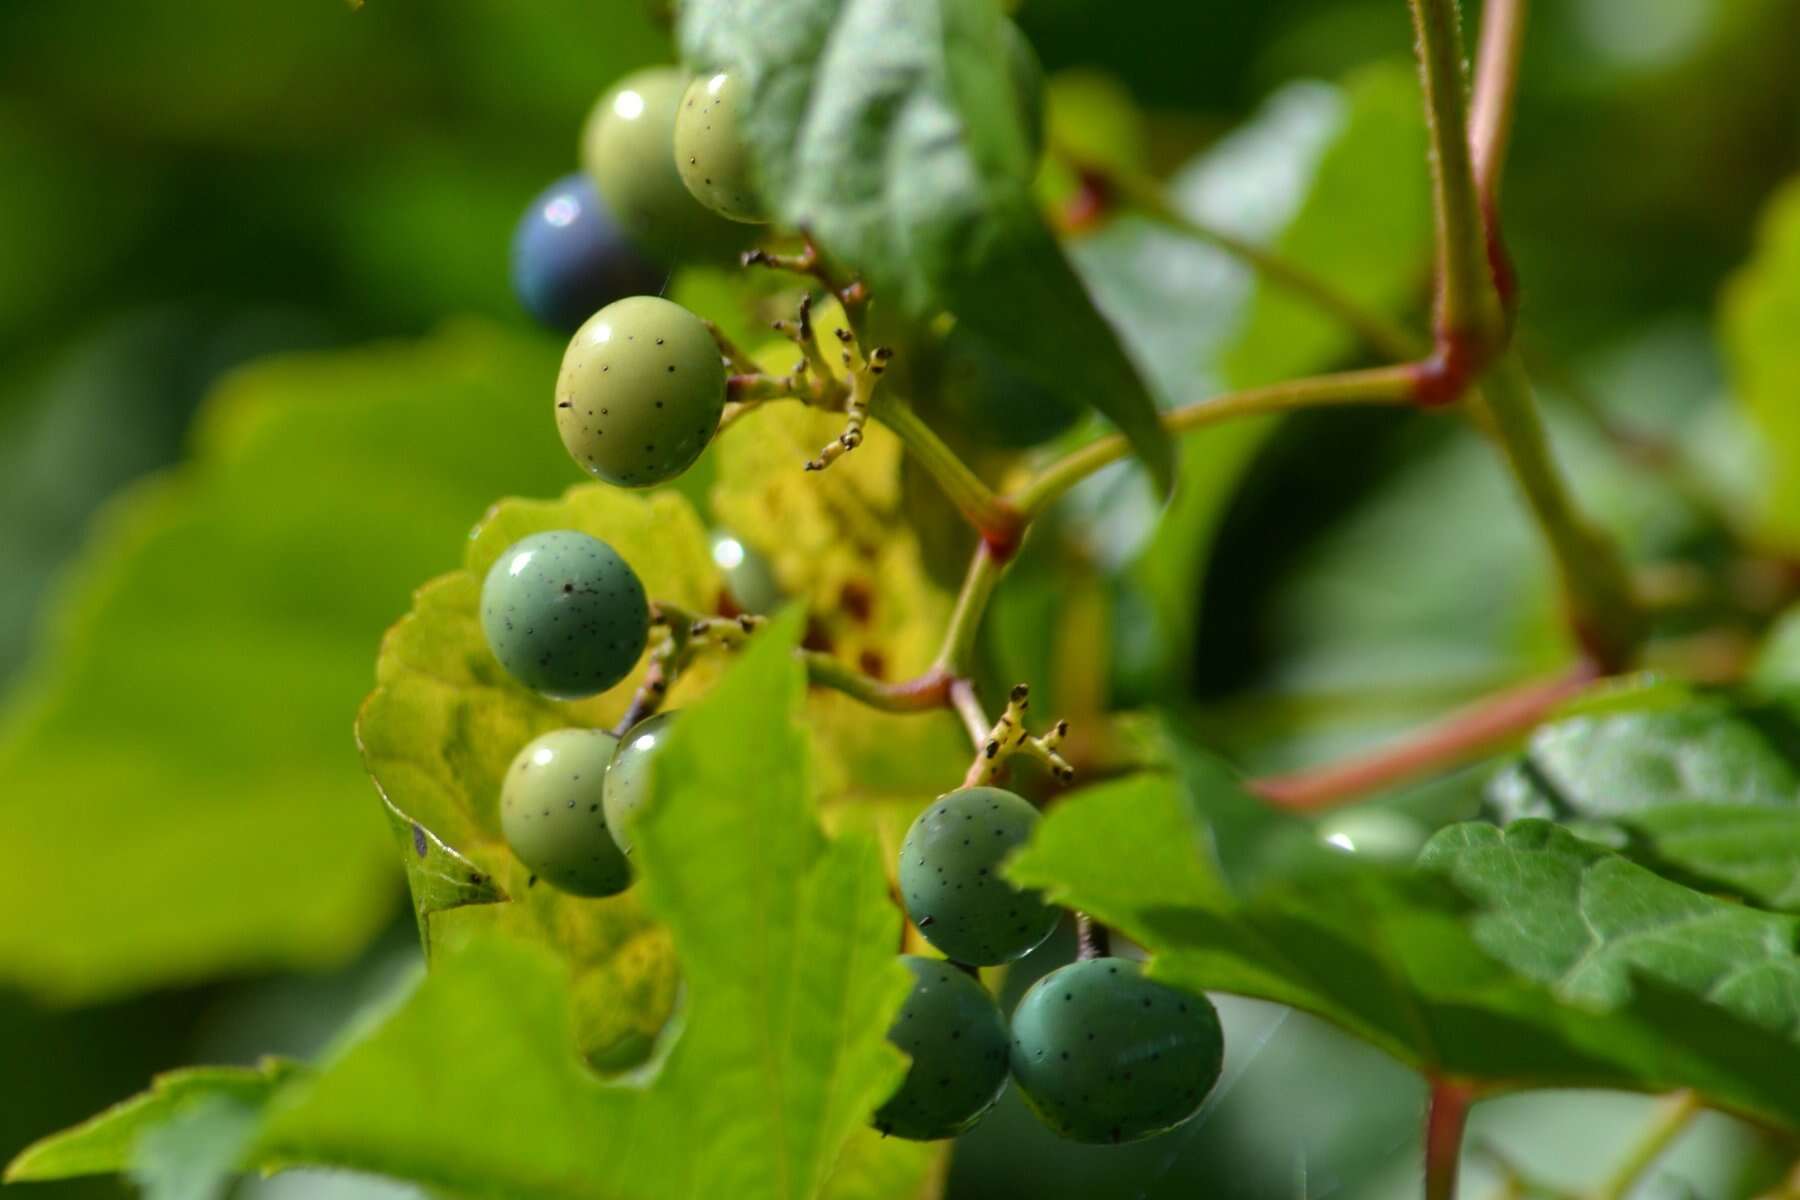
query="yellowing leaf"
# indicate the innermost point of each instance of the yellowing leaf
(445, 720)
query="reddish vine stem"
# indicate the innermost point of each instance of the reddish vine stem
(1497, 59)
(1446, 1116)
(1462, 735)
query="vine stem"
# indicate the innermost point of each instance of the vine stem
(1499, 52)
(1602, 606)
(985, 569)
(1460, 736)
(1670, 1121)
(1468, 306)
(1379, 385)
(993, 517)
(1446, 1116)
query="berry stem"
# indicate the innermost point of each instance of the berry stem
(1010, 736)
(1092, 939)
(1380, 385)
(968, 707)
(1446, 1115)
(929, 691)
(991, 515)
(1376, 331)
(978, 586)
(739, 362)
(1475, 730)
(1670, 1120)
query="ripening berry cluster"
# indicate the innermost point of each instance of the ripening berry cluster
(639, 396)
(1099, 1052)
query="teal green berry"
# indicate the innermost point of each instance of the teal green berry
(956, 1038)
(551, 814)
(711, 153)
(1102, 1054)
(627, 148)
(564, 614)
(628, 778)
(641, 391)
(950, 877)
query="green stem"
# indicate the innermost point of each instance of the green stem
(1378, 332)
(1496, 86)
(1468, 306)
(971, 604)
(1598, 587)
(991, 515)
(1381, 385)
(1670, 1120)
(927, 692)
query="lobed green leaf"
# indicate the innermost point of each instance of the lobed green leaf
(474, 1084)
(1471, 968)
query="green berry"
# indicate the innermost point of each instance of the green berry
(950, 877)
(551, 814)
(1102, 1054)
(710, 150)
(748, 575)
(956, 1038)
(628, 778)
(564, 614)
(627, 147)
(640, 393)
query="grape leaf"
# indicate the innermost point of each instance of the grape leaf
(1757, 319)
(786, 945)
(107, 1142)
(1707, 793)
(438, 877)
(890, 133)
(1231, 896)
(445, 721)
(1333, 177)
(185, 745)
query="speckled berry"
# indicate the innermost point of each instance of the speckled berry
(1102, 1054)
(956, 1038)
(628, 778)
(710, 150)
(564, 614)
(640, 393)
(627, 149)
(950, 877)
(748, 575)
(569, 258)
(551, 814)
